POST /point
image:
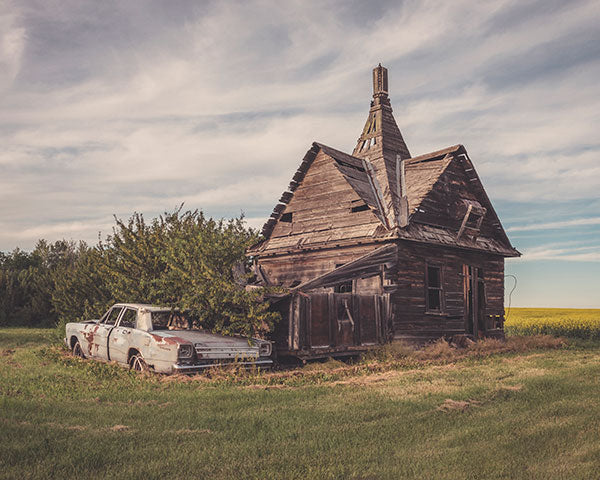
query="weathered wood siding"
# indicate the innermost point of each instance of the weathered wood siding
(300, 267)
(443, 205)
(324, 201)
(409, 311)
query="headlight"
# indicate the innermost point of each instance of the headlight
(185, 351)
(265, 349)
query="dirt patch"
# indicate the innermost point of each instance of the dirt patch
(277, 386)
(512, 388)
(77, 428)
(450, 405)
(130, 403)
(189, 430)
(365, 380)
(329, 365)
(7, 352)
(119, 428)
(185, 378)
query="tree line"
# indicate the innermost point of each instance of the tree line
(181, 260)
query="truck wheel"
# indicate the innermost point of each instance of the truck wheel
(137, 363)
(77, 350)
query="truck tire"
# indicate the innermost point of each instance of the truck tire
(137, 363)
(77, 350)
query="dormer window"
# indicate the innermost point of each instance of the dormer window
(472, 219)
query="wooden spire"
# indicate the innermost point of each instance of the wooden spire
(381, 142)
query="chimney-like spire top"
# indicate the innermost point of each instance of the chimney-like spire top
(382, 143)
(380, 81)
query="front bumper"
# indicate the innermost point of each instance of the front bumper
(195, 368)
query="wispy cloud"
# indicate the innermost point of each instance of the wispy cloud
(111, 107)
(573, 251)
(555, 225)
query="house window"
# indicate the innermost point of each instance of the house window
(286, 217)
(434, 288)
(345, 287)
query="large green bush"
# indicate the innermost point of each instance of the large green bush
(180, 260)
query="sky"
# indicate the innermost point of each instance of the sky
(112, 107)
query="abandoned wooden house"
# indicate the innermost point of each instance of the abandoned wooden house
(378, 245)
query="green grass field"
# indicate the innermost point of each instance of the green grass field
(530, 413)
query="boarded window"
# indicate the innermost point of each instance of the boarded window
(434, 288)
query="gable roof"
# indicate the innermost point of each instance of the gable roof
(356, 173)
(372, 172)
(423, 172)
(422, 175)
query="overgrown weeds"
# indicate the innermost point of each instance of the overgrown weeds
(389, 357)
(386, 358)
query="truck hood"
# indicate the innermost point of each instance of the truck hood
(204, 339)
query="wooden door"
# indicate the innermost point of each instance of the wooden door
(474, 293)
(319, 323)
(341, 319)
(344, 323)
(368, 318)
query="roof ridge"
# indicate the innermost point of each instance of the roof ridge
(435, 153)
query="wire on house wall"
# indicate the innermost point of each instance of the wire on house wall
(510, 294)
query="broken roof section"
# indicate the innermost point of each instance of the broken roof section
(372, 172)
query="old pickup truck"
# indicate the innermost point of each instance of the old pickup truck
(159, 339)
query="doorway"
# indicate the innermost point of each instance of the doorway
(474, 301)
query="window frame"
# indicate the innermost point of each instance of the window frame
(344, 286)
(340, 286)
(440, 289)
(123, 316)
(107, 316)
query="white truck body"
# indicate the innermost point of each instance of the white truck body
(129, 335)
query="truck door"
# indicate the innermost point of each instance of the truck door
(101, 335)
(121, 336)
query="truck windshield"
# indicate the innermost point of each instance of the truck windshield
(169, 320)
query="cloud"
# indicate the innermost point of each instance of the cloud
(578, 254)
(119, 106)
(12, 44)
(555, 225)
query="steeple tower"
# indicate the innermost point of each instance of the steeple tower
(381, 131)
(381, 143)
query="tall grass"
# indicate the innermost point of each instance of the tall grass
(444, 414)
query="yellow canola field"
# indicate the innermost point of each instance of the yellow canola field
(566, 322)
